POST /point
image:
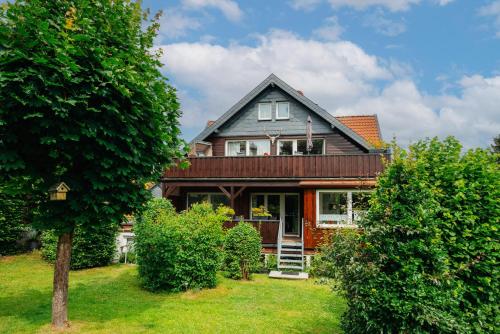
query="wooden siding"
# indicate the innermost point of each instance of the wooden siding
(246, 122)
(276, 167)
(314, 237)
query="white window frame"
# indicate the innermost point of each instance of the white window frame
(271, 110)
(208, 193)
(283, 102)
(294, 144)
(349, 192)
(247, 146)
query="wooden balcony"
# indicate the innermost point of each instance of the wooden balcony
(366, 165)
(268, 230)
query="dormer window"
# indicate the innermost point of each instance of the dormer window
(265, 112)
(282, 110)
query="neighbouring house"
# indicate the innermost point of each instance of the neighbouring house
(260, 153)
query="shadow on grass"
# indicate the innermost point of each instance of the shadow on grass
(91, 300)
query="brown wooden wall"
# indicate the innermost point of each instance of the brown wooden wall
(313, 236)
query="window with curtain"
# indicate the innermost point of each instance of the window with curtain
(282, 110)
(236, 148)
(265, 111)
(341, 208)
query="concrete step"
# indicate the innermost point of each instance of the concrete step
(288, 275)
(290, 267)
(290, 255)
(290, 261)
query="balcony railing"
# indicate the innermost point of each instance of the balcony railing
(365, 165)
(268, 230)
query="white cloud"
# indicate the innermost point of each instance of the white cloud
(330, 31)
(383, 25)
(493, 9)
(339, 76)
(409, 115)
(229, 8)
(174, 24)
(444, 2)
(306, 5)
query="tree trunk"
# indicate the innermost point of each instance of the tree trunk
(61, 278)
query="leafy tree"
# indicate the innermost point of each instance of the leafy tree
(82, 101)
(427, 260)
(496, 144)
(242, 249)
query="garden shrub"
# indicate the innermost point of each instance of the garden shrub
(11, 224)
(178, 251)
(427, 260)
(93, 245)
(242, 248)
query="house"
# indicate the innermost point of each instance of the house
(257, 154)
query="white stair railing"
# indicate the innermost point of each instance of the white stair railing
(280, 240)
(302, 241)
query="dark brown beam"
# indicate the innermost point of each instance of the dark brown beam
(238, 193)
(235, 184)
(225, 191)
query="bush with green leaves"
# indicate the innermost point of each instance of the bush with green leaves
(93, 246)
(178, 251)
(427, 260)
(11, 224)
(242, 248)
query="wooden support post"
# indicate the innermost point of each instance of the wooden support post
(232, 197)
(228, 195)
(169, 191)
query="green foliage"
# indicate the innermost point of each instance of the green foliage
(427, 260)
(335, 254)
(93, 246)
(178, 251)
(242, 248)
(15, 216)
(83, 101)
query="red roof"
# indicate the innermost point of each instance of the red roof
(364, 125)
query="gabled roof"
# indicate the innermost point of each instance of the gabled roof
(274, 80)
(364, 125)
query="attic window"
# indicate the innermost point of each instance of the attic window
(265, 113)
(282, 110)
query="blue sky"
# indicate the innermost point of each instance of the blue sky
(425, 67)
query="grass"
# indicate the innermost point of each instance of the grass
(110, 300)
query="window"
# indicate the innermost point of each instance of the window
(254, 147)
(336, 208)
(282, 110)
(299, 147)
(216, 199)
(236, 148)
(259, 147)
(270, 201)
(265, 113)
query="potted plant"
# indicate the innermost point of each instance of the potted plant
(226, 210)
(260, 213)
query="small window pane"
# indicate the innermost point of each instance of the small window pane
(282, 110)
(236, 148)
(257, 201)
(333, 208)
(218, 199)
(265, 111)
(301, 147)
(273, 206)
(197, 198)
(359, 205)
(317, 146)
(286, 147)
(259, 147)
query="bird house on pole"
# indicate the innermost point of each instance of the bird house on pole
(58, 191)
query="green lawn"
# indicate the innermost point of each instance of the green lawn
(110, 300)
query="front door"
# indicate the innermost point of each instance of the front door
(284, 206)
(291, 211)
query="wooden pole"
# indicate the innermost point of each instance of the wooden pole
(61, 278)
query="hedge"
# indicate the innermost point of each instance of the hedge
(427, 259)
(242, 248)
(178, 251)
(93, 246)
